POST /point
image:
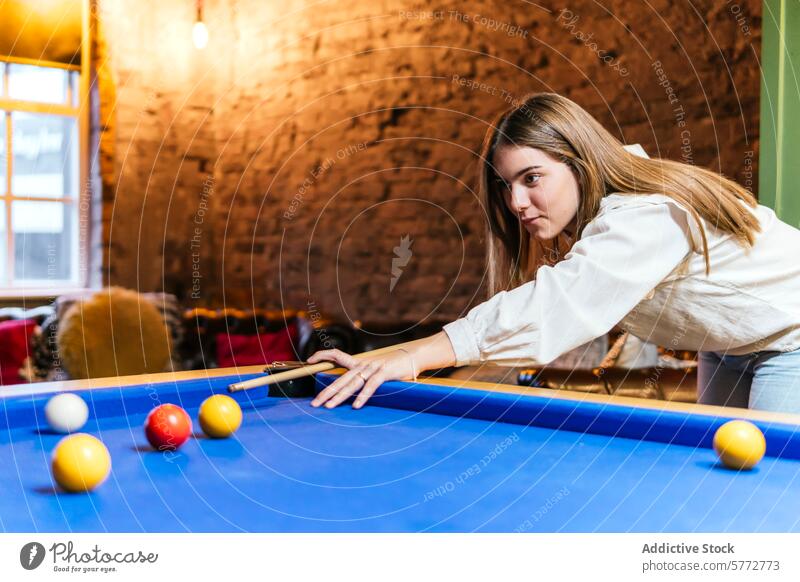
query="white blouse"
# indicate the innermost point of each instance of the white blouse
(633, 266)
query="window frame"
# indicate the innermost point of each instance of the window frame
(76, 107)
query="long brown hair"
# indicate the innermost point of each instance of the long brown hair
(565, 131)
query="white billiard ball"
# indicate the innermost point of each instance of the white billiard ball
(66, 412)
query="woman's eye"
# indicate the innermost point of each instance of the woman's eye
(532, 179)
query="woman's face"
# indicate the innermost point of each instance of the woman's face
(539, 189)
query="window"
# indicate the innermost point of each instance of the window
(39, 176)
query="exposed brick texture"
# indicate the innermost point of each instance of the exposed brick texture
(309, 138)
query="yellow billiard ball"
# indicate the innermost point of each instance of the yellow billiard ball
(80, 462)
(739, 444)
(220, 416)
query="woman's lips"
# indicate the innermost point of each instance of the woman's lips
(530, 220)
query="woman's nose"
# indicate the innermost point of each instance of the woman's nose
(519, 199)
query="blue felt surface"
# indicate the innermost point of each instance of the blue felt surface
(295, 468)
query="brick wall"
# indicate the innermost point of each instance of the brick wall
(286, 162)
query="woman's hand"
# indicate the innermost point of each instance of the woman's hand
(364, 375)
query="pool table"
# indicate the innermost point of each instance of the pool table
(435, 455)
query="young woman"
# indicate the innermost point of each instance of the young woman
(675, 254)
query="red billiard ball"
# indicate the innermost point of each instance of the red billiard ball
(167, 427)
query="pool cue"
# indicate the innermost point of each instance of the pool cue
(308, 370)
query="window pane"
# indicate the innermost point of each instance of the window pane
(45, 248)
(45, 155)
(3, 154)
(42, 84)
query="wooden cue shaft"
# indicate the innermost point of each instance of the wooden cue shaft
(308, 370)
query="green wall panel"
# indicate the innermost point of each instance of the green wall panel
(779, 160)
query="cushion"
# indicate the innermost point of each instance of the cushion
(15, 338)
(250, 350)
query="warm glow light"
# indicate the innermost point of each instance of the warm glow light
(200, 34)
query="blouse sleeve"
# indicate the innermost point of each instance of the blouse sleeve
(622, 255)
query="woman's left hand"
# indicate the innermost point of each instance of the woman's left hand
(362, 377)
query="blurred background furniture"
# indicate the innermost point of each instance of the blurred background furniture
(203, 338)
(631, 367)
(114, 332)
(46, 357)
